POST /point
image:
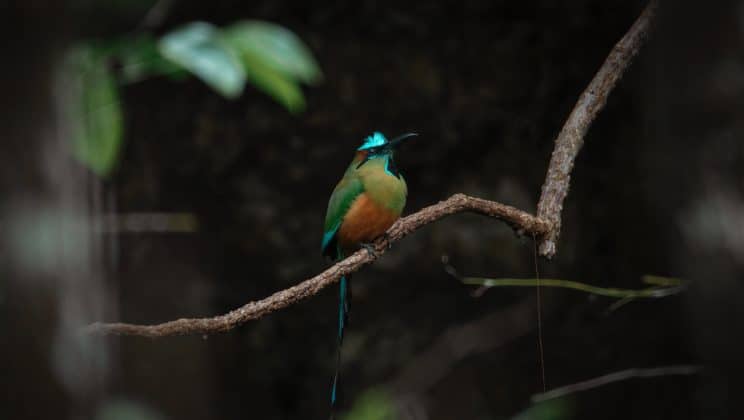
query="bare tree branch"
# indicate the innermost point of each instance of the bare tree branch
(519, 220)
(545, 227)
(616, 377)
(571, 138)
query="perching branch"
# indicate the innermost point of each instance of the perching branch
(519, 220)
(571, 138)
(545, 226)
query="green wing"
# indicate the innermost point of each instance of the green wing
(347, 190)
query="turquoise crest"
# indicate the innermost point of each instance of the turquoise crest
(375, 140)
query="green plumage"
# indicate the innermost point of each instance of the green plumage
(384, 188)
(346, 191)
(372, 177)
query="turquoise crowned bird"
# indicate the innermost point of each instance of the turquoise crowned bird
(367, 200)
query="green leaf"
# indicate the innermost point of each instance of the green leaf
(274, 59)
(140, 59)
(199, 48)
(275, 84)
(558, 409)
(94, 112)
(373, 404)
(276, 47)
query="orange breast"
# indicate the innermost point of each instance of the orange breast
(364, 222)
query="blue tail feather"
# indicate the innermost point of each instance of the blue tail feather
(343, 310)
(344, 305)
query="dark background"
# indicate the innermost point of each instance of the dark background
(657, 189)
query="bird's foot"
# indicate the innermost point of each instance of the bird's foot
(370, 249)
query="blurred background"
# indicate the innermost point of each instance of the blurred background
(168, 159)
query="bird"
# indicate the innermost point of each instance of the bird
(367, 200)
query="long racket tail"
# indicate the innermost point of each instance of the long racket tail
(344, 305)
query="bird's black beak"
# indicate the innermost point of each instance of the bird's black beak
(394, 143)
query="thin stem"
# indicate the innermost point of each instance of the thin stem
(655, 292)
(616, 377)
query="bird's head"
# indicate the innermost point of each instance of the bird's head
(378, 144)
(378, 148)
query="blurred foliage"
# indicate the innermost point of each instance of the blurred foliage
(275, 60)
(93, 111)
(199, 48)
(373, 404)
(123, 409)
(378, 404)
(139, 58)
(34, 236)
(270, 56)
(556, 409)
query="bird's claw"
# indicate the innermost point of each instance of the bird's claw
(371, 250)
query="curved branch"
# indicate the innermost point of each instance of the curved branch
(545, 226)
(571, 138)
(523, 223)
